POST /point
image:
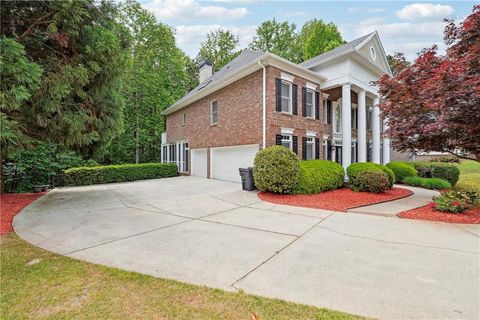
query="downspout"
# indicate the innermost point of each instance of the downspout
(264, 106)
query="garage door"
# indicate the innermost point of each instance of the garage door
(225, 161)
(199, 162)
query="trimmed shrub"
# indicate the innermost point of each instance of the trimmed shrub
(428, 183)
(370, 181)
(355, 168)
(276, 169)
(83, 176)
(318, 176)
(445, 171)
(402, 170)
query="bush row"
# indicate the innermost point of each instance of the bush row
(318, 176)
(82, 176)
(445, 171)
(402, 170)
(428, 183)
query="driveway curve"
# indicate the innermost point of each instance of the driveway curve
(209, 232)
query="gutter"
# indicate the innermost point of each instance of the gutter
(264, 107)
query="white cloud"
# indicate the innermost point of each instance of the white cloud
(406, 37)
(354, 9)
(190, 37)
(376, 10)
(425, 10)
(192, 9)
(369, 10)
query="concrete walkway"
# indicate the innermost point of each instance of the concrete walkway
(419, 198)
(207, 232)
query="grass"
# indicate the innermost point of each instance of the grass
(37, 284)
(469, 176)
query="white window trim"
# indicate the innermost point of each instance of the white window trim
(311, 134)
(287, 131)
(311, 141)
(287, 77)
(311, 86)
(373, 53)
(335, 106)
(290, 98)
(325, 148)
(211, 112)
(289, 139)
(313, 102)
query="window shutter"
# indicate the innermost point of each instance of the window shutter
(329, 112)
(304, 148)
(356, 151)
(278, 95)
(317, 105)
(352, 115)
(317, 148)
(294, 99)
(278, 140)
(295, 144)
(356, 119)
(304, 101)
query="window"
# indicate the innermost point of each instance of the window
(172, 153)
(213, 112)
(338, 119)
(373, 53)
(325, 111)
(310, 103)
(310, 148)
(354, 118)
(286, 97)
(184, 119)
(165, 154)
(325, 149)
(287, 141)
(369, 118)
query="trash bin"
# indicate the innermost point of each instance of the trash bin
(247, 178)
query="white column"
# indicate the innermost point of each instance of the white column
(376, 131)
(386, 144)
(346, 126)
(362, 127)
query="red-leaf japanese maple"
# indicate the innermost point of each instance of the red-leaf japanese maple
(434, 104)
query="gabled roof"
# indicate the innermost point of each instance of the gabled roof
(244, 64)
(337, 52)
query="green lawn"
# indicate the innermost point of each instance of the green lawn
(469, 176)
(58, 287)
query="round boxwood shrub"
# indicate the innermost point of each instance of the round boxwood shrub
(402, 170)
(370, 181)
(318, 176)
(276, 170)
(355, 168)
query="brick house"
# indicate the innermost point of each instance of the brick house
(315, 108)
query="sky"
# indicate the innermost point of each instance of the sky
(403, 26)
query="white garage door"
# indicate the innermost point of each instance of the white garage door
(199, 162)
(225, 161)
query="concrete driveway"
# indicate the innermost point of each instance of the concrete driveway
(209, 232)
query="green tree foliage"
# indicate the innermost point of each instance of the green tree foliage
(81, 49)
(279, 38)
(317, 37)
(20, 78)
(154, 79)
(219, 48)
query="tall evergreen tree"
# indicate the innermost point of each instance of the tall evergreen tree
(81, 50)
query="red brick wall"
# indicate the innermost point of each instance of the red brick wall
(239, 117)
(277, 120)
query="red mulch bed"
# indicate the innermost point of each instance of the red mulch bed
(10, 205)
(337, 200)
(471, 216)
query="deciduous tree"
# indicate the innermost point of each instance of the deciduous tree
(317, 37)
(219, 48)
(434, 104)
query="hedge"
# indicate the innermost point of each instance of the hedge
(355, 168)
(318, 176)
(445, 171)
(83, 176)
(276, 169)
(402, 170)
(428, 183)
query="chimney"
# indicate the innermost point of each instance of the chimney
(205, 70)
